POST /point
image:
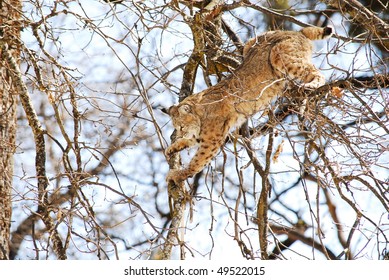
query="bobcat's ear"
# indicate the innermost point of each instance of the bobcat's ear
(164, 110)
(173, 110)
(169, 110)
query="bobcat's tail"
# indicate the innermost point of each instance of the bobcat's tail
(317, 33)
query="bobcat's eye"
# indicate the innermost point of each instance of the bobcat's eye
(185, 109)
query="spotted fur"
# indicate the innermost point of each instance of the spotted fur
(271, 61)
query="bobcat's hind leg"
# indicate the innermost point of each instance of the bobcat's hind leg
(312, 78)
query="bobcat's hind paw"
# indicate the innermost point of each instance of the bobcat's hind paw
(177, 176)
(169, 152)
(173, 176)
(311, 86)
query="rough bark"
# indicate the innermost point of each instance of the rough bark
(40, 147)
(9, 36)
(9, 55)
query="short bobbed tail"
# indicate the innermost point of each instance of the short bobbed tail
(317, 33)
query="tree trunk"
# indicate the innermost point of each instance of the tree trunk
(9, 38)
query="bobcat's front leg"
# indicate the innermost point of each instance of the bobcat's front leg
(206, 151)
(179, 145)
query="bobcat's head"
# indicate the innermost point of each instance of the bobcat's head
(183, 117)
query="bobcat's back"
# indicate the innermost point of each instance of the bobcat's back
(271, 61)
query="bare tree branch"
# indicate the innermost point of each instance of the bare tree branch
(40, 159)
(365, 17)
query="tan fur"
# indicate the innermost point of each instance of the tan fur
(271, 61)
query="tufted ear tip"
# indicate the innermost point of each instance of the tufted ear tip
(166, 111)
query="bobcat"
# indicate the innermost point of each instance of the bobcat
(271, 61)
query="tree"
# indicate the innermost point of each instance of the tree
(9, 43)
(307, 178)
